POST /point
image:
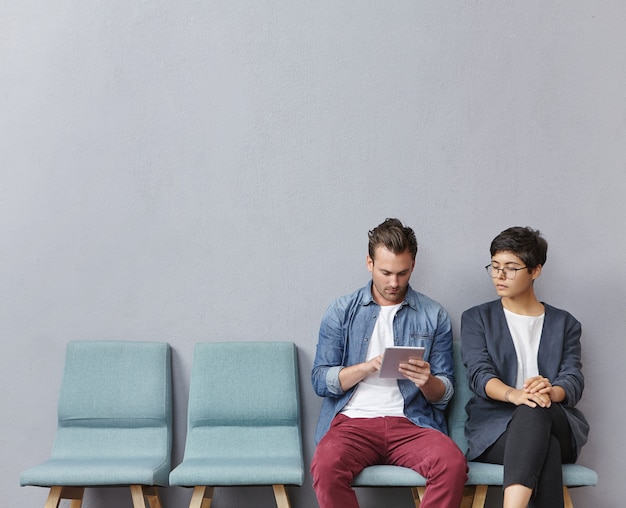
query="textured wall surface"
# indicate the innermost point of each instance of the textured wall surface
(196, 171)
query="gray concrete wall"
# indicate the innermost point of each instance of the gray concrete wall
(196, 171)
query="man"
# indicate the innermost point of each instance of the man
(369, 420)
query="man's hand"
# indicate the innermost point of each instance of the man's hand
(350, 376)
(418, 371)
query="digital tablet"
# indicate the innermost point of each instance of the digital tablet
(394, 356)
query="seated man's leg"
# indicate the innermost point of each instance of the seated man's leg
(433, 455)
(349, 445)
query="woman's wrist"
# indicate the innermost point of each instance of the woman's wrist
(507, 393)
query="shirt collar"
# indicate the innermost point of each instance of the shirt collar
(410, 298)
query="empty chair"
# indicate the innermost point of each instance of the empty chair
(114, 423)
(243, 420)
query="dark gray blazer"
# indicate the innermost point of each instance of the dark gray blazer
(488, 352)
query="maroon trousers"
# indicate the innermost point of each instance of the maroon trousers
(351, 444)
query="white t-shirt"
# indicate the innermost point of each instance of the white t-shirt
(375, 396)
(526, 333)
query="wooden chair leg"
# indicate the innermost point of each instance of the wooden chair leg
(280, 493)
(56, 494)
(54, 497)
(468, 496)
(201, 497)
(136, 492)
(152, 495)
(480, 496)
(418, 495)
(566, 498)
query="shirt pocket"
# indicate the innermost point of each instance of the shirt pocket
(424, 340)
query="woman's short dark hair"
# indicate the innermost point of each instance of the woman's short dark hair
(526, 243)
(394, 236)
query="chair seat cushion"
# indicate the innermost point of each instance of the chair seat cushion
(225, 471)
(484, 474)
(96, 471)
(574, 475)
(384, 476)
(479, 474)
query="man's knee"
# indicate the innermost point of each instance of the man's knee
(456, 464)
(451, 464)
(327, 465)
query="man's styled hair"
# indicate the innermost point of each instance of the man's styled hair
(526, 243)
(394, 236)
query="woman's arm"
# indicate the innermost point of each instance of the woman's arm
(569, 381)
(476, 357)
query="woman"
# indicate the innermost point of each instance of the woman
(523, 365)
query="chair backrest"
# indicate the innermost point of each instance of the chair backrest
(115, 398)
(243, 396)
(462, 394)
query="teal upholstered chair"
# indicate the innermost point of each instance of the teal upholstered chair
(480, 475)
(396, 476)
(114, 423)
(483, 475)
(243, 420)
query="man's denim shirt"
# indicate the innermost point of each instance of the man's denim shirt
(344, 337)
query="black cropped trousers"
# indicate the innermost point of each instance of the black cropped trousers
(533, 447)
